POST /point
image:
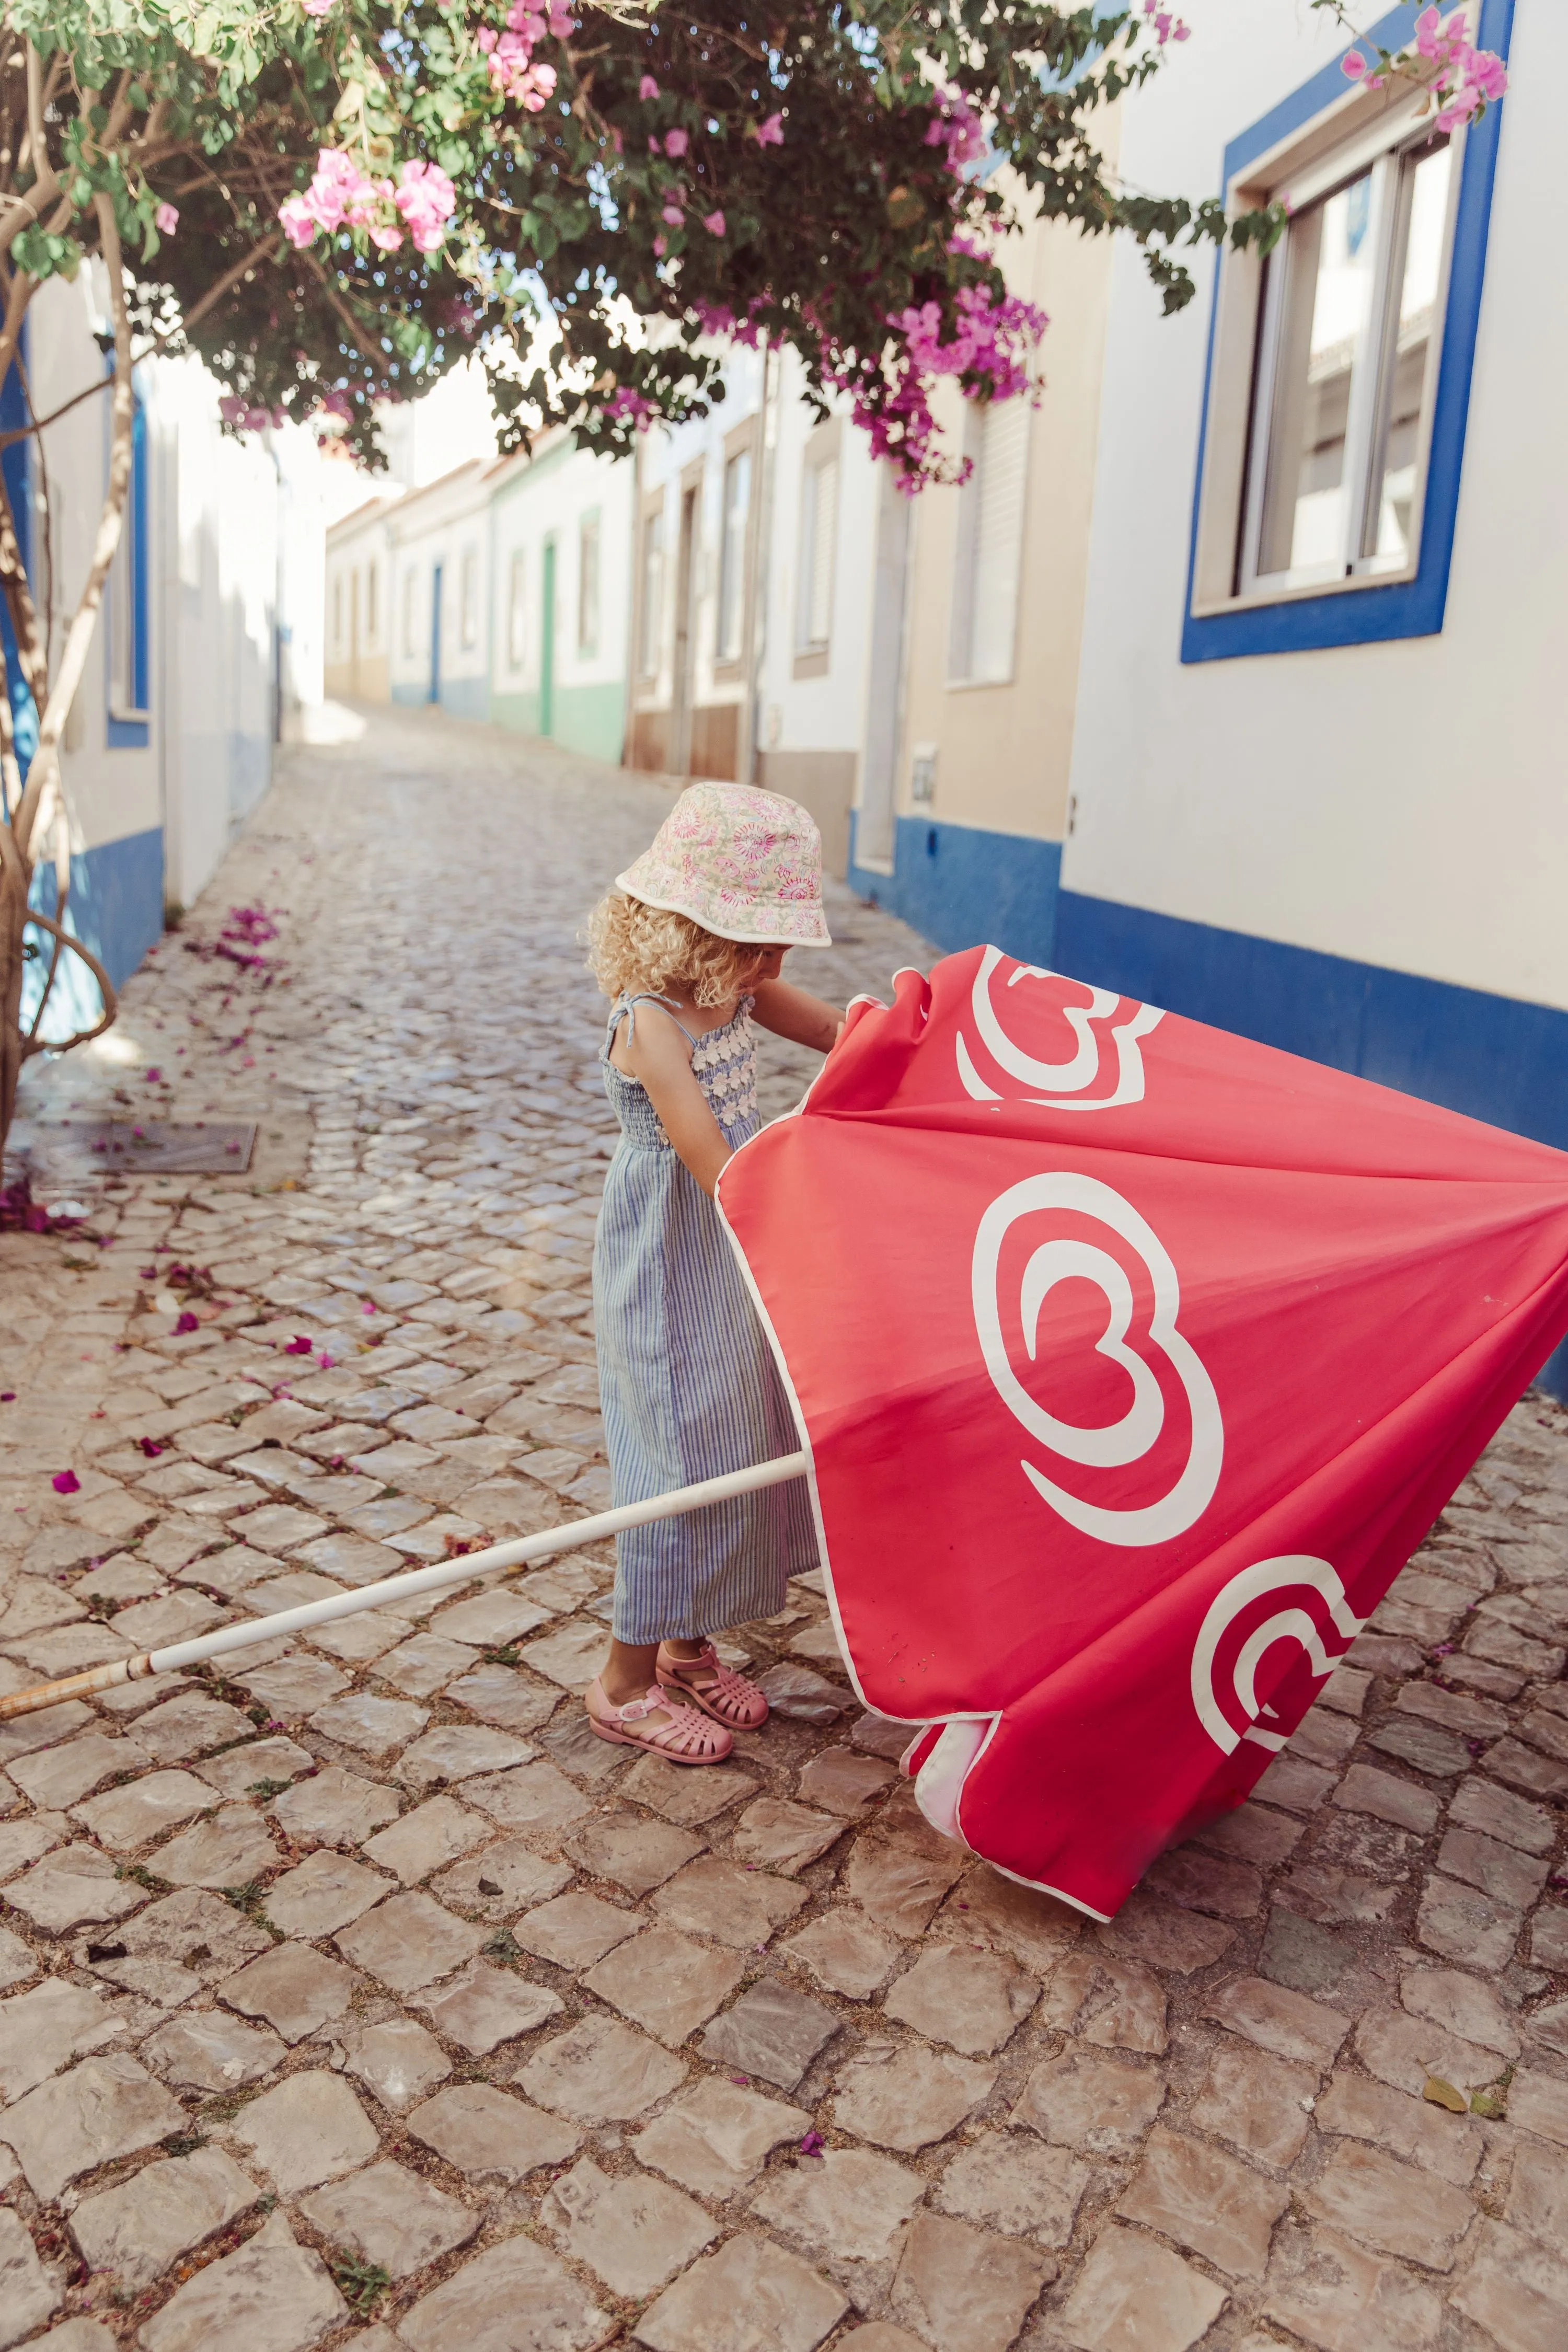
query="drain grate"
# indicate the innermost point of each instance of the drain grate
(154, 1147)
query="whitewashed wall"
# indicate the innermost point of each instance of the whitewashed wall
(1400, 804)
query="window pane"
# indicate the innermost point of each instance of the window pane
(1392, 519)
(516, 608)
(823, 482)
(469, 597)
(588, 584)
(1330, 261)
(732, 555)
(652, 593)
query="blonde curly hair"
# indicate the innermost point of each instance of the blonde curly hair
(637, 950)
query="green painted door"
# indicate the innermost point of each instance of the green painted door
(547, 647)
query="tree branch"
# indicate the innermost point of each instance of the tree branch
(362, 342)
(230, 278)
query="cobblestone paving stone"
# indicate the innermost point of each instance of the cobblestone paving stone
(327, 2010)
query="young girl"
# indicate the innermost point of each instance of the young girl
(689, 945)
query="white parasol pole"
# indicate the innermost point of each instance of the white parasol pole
(570, 1537)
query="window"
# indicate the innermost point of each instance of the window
(732, 556)
(818, 547)
(990, 544)
(588, 584)
(517, 610)
(1339, 371)
(129, 649)
(372, 581)
(411, 611)
(1345, 375)
(652, 628)
(469, 597)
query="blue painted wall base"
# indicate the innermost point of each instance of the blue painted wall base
(1496, 1058)
(116, 909)
(955, 884)
(1493, 1058)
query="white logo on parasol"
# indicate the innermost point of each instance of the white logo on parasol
(1056, 1079)
(1317, 1618)
(1132, 1437)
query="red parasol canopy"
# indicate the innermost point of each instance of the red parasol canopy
(1134, 1361)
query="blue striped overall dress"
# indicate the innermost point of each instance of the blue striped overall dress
(687, 1378)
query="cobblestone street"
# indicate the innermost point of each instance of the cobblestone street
(356, 1995)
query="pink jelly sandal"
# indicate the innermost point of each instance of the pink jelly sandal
(684, 1738)
(726, 1696)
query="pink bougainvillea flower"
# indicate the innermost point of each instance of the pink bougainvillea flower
(676, 143)
(369, 1306)
(66, 1481)
(328, 1363)
(714, 223)
(771, 133)
(154, 1077)
(673, 215)
(188, 1322)
(426, 201)
(299, 1346)
(647, 89)
(317, 8)
(299, 223)
(166, 219)
(813, 2144)
(1352, 65)
(151, 1447)
(660, 246)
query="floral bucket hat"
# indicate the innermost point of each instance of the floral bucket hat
(744, 864)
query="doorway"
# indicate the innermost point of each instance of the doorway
(434, 694)
(874, 821)
(547, 643)
(680, 692)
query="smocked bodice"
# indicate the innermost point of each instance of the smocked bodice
(723, 1062)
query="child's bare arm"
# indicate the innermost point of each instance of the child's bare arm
(794, 1013)
(659, 1055)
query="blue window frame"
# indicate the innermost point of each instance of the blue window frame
(1362, 611)
(127, 637)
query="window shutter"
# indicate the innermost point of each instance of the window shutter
(999, 494)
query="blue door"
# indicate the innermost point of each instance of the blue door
(434, 695)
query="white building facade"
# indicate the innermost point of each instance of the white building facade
(360, 599)
(1316, 760)
(441, 623)
(209, 640)
(560, 594)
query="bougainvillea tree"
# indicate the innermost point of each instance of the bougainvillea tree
(332, 201)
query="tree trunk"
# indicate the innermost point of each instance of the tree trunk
(40, 814)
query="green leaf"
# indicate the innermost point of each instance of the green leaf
(1443, 2094)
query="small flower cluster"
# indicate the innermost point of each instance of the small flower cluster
(995, 337)
(244, 417)
(956, 126)
(1167, 26)
(513, 70)
(624, 401)
(341, 197)
(1468, 79)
